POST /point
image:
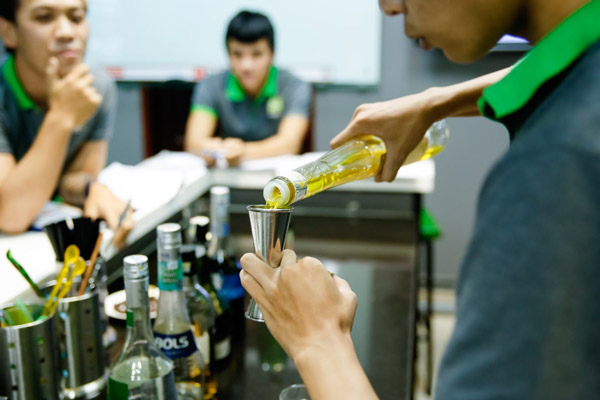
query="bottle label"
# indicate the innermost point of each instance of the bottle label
(130, 319)
(232, 287)
(217, 280)
(170, 275)
(203, 344)
(177, 346)
(223, 348)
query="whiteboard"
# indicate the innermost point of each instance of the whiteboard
(325, 41)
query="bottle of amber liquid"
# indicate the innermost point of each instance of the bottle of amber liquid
(202, 315)
(359, 158)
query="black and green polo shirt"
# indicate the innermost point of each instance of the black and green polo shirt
(518, 94)
(251, 119)
(527, 295)
(21, 118)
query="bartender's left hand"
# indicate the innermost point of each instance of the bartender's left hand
(303, 306)
(102, 203)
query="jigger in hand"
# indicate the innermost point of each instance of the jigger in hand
(269, 228)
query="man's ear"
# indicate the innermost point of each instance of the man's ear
(8, 32)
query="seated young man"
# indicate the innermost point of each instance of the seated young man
(56, 116)
(253, 110)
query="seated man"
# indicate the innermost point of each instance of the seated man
(254, 110)
(54, 124)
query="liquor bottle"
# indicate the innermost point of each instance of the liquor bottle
(199, 225)
(141, 371)
(221, 356)
(173, 331)
(359, 158)
(202, 315)
(222, 264)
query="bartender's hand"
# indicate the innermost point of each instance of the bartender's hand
(303, 306)
(401, 123)
(102, 203)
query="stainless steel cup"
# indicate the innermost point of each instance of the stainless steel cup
(81, 353)
(28, 357)
(269, 228)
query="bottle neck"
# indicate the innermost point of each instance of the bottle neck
(138, 311)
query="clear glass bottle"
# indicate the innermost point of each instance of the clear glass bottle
(202, 314)
(173, 331)
(359, 158)
(141, 370)
(222, 263)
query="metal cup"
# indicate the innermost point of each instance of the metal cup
(28, 357)
(82, 355)
(269, 228)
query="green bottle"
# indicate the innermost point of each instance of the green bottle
(141, 370)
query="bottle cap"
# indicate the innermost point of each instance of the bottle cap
(135, 266)
(200, 225)
(219, 191)
(169, 233)
(274, 187)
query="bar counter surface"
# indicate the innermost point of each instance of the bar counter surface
(365, 232)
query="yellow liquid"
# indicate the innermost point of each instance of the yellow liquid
(358, 163)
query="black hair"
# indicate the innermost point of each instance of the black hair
(249, 27)
(8, 9)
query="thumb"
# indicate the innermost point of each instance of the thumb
(52, 72)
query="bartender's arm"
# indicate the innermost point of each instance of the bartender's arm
(25, 186)
(402, 122)
(311, 315)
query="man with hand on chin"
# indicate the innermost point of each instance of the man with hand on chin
(56, 116)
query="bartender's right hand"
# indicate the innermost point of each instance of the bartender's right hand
(303, 306)
(73, 95)
(401, 123)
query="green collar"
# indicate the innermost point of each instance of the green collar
(551, 56)
(10, 75)
(235, 92)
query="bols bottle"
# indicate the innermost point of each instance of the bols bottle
(172, 327)
(141, 371)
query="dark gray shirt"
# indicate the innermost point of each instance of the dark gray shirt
(528, 311)
(246, 118)
(20, 119)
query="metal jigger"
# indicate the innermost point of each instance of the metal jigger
(269, 228)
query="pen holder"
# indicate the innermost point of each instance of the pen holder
(28, 357)
(79, 330)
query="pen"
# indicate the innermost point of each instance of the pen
(123, 214)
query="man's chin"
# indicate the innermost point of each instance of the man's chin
(67, 66)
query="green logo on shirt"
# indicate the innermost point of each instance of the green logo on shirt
(275, 106)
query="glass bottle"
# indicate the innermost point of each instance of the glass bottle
(359, 158)
(222, 263)
(199, 226)
(141, 370)
(202, 315)
(173, 331)
(221, 356)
